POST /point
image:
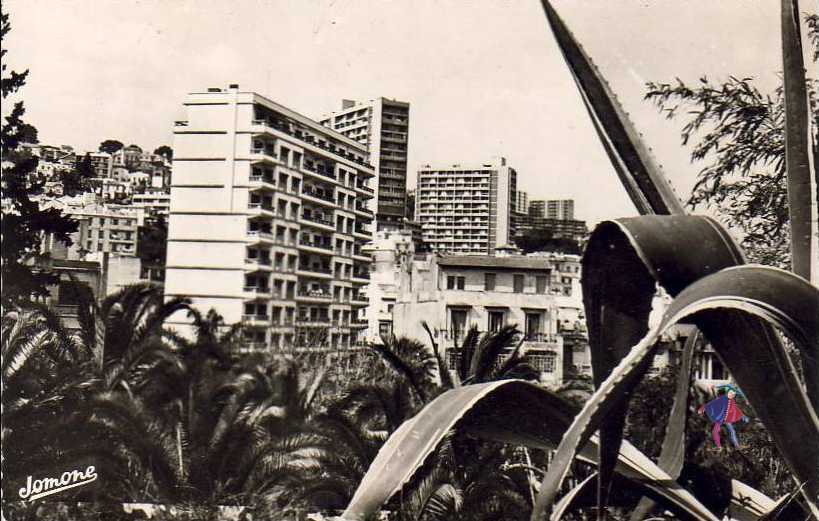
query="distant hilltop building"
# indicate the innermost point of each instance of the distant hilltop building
(466, 209)
(268, 217)
(381, 125)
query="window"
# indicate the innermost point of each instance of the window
(489, 281)
(457, 323)
(518, 283)
(533, 332)
(385, 328)
(545, 362)
(496, 321)
(541, 282)
(453, 282)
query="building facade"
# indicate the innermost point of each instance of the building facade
(267, 221)
(453, 293)
(382, 125)
(466, 209)
(560, 209)
(521, 202)
(392, 252)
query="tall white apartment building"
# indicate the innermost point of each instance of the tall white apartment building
(382, 125)
(267, 219)
(466, 209)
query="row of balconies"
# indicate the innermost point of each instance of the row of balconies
(309, 138)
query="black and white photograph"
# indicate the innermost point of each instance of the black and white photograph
(410, 260)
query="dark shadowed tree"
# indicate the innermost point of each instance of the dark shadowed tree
(165, 151)
(110, 146)
(23, 220)
(738, 132)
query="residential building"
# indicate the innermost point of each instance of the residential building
(382, 125)
(521, 202)
(453, 293)
(466, 209)
(101, 162)
(554, 228)
(154, 201)
(267, 221)
(391, 252)
(76, 281)
(102, 228)
(560, 209)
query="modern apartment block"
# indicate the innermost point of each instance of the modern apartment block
(382, 125)
(267, 219)
(561, 209)
(466, 209)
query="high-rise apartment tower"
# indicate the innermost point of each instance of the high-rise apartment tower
(466, 209)
(382, 125)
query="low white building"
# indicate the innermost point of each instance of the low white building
(454, 293)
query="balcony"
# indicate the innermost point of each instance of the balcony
(261, 210)
(256, 320)
(323, 171)
(322, 197)
(540, 337)
(362, 233)
(313, 220)
(314, 295)
(260, 236)
(261, 182)
(361, 276)
(256, 291)
(324, 249)
(307, 321)
(359, 300)
(258, 263)
(363, 210)
(363, 188)
(360, 255)
(262, 154)
(358, 322)
(315, 271)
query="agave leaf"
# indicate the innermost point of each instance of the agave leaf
(801, 199)
(624, 261)
(636, 167)
(736, 309)
(672, 451)
(495, 411)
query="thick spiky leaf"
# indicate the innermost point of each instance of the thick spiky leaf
(802, 200)
(495, 411)
(639, 172)
(736, 309)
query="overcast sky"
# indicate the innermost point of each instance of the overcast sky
(484, 78)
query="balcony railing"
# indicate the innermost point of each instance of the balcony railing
(365, 188)
(361, 275)
(313, 320)
(363, 209)
(539, 337)
(318, 195)
(313, 293)
(264, 261)
(255, 178)
(255, 318)
(313, 244)
(315, 269)
(265, 151)
(320, 171)
(257, 289)
(260, 234)
(319, 220)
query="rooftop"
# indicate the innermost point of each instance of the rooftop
(489, 261)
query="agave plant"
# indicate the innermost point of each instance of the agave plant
(742, 310)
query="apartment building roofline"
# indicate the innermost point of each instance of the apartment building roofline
(496, 162)
(315, 125)
(489, 261)
(357, 105)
